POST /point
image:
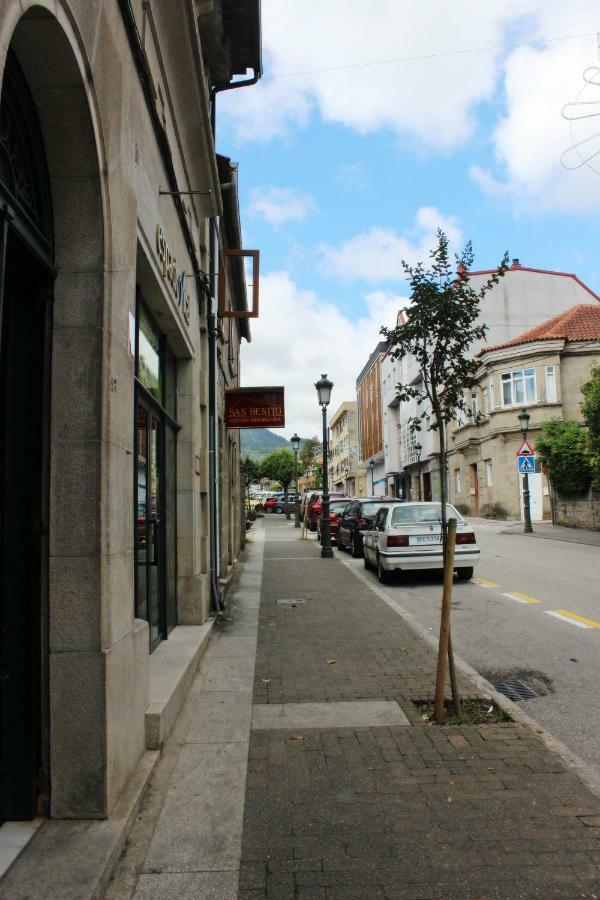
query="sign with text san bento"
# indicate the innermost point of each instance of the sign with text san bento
(254, 407)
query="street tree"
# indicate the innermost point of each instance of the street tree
(280, 466)
(563, 448)
(590, 409)
(250, 473)
(310, 455)
(440, 325)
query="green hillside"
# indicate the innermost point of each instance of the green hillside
(259, 442)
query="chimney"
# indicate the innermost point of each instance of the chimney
(516, 264)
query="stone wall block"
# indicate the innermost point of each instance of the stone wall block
(80, 223)
(74, 498)
(193, 599)
(127, 700)
(77, 735)
(117, 491)
(118, 597)
(78, 299)
(74, 603)
(76, 368)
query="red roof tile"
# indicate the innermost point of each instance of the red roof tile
(579, 323)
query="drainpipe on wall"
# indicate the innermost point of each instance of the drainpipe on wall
(213, 417)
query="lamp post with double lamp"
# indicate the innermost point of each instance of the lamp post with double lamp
(295, 440)
(372, 464)
(524, 418)
(324, 386)
(419, 449)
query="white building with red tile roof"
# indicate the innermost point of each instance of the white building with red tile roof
(541, 370)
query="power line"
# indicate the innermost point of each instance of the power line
(441, 53)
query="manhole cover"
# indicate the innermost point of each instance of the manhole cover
(290, 601)
(514, 690)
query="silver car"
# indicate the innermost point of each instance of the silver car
(409, 536)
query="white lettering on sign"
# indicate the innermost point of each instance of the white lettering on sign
(176, 282)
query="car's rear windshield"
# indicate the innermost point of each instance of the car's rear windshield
(371, 509)
(424, 512)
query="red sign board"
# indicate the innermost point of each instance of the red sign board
(257, 407)
(525, 449)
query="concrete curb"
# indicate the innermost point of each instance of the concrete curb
(573, 762)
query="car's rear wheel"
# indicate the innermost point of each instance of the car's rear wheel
(465, 573)
(357, 550)
(383, 575)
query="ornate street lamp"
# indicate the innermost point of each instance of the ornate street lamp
(372, 464)
(524, 418)
(419, 450)
(324, 386)
(295, 440)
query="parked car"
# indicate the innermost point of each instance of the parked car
(280, 504)
(356, 521)
(269, 505)
(315, 504)
(409, 536)
(336, 508)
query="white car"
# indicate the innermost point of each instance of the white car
(409, 536)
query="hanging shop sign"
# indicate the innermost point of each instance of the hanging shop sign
(175, 280)
(254, 407)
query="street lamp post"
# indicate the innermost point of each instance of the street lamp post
(295, 447)
(524, 418)
(324, 387)
(372, 464)
(419, 449)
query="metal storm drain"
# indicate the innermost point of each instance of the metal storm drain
(514, 690)
(290, 601)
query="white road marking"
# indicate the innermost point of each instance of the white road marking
(516, 599)
(558, 615)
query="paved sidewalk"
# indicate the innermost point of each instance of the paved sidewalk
(396, 811)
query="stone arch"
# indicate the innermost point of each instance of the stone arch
(45, 42)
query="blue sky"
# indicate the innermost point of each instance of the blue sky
(343, 173)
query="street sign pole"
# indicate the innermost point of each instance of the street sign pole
(526, 507)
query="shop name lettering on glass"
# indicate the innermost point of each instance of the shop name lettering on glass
(175, 281)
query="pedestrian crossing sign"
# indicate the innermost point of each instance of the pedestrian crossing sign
(526, 465)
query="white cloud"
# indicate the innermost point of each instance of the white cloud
(435, 102)
(299, 335)
(432, 99)
(377, 254)
(279, 205)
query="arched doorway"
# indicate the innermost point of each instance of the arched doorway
(26, 283)
(53, 280)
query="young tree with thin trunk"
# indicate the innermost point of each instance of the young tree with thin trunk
(280, 466)
(442, 323)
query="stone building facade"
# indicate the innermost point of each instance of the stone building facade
(370, 421)
(543, 371)
(345, 474)
(523, 298)
(113, 363)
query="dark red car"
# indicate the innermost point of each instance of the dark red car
(314, 507)
(336, 508)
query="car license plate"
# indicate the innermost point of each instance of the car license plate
(426, 539)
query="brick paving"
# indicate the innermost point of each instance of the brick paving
(413, 811)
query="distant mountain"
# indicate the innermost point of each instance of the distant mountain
(259, 442)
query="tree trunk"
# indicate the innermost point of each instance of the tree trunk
(286, 505)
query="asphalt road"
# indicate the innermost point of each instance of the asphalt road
(546, 635)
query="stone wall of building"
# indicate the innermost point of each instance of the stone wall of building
(578, 512)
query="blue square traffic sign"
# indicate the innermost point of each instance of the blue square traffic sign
(526, 465)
